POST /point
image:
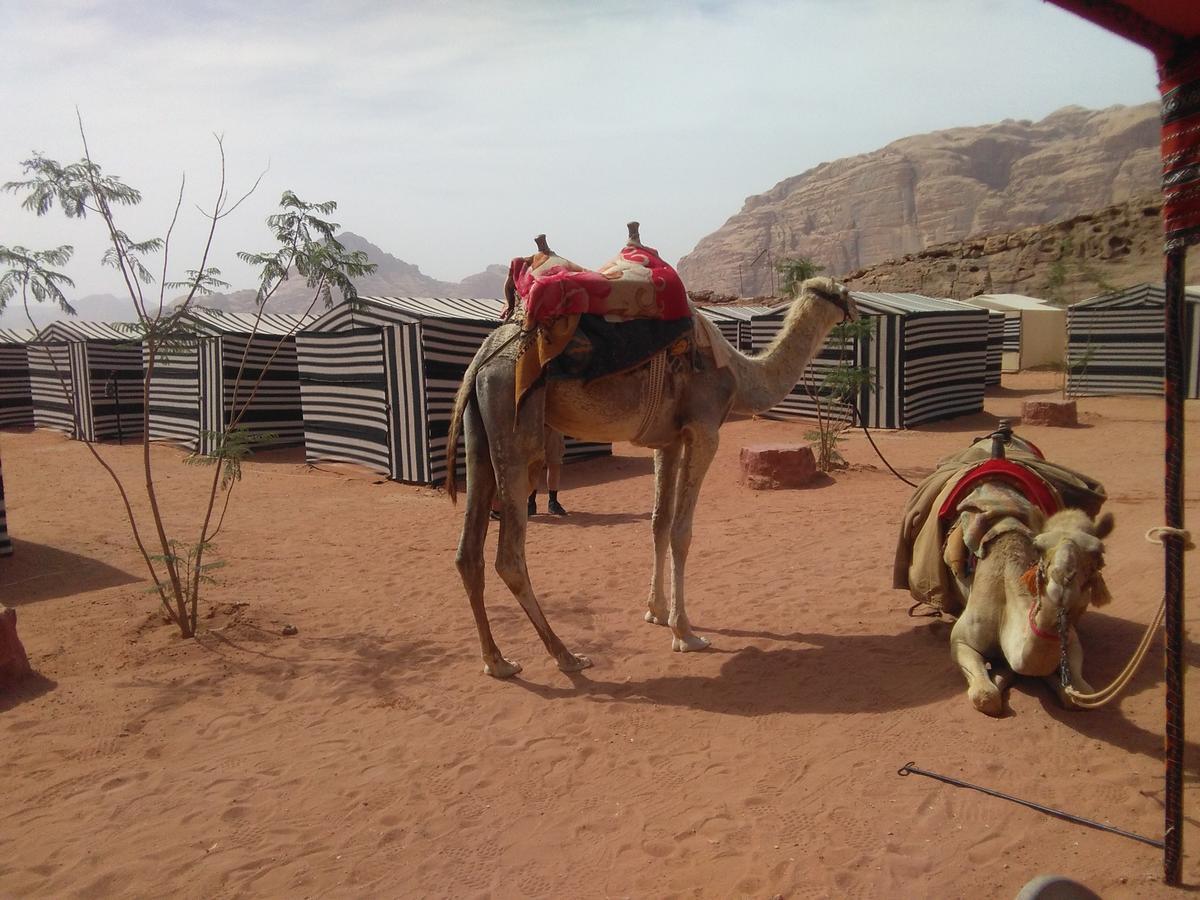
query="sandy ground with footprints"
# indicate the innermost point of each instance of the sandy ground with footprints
(368, 756)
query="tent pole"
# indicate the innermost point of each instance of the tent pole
(1173, 546)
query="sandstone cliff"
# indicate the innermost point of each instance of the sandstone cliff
(930, 189)
(1065, 261)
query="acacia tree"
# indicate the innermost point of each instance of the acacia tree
(305, 247)
(793, 270)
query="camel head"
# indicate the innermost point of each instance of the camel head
(1071, 552)
(830, 291)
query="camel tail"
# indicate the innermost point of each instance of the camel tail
(466, 391)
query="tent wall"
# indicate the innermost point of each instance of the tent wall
(378, 383)
(345, 392)
(16, 396)
(255, 380)
(995, 347)
(114, 404)
(1116, 346)
(55, 379)
(175, 395)
(925, 365)
(195, 391)
(1043, 337)
(944, 363)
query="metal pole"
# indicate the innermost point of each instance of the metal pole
(1174, 388)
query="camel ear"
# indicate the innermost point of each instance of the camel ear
(1044, 542)
(1100, 594)
(1104, 525)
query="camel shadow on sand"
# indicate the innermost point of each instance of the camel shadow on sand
(37, 572)
(920, 672)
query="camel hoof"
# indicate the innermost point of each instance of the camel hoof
(655, 619)
(990, 702)
(575, 663)
(688, 643)
(506, 668)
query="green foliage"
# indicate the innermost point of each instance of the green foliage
(185, 559)
(306, 242)
(78, 188)
(230, 447)
(793, 270)
(305, 246)
(24, 272)
(837, 393)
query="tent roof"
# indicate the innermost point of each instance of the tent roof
(75, 330)
(218, 321)
(737, 313)
(17, 335)
(1012, 303)
(1135, 295)
(882, 303)
(413, 309)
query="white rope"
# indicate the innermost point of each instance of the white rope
(1105, 695)
(1158, 532)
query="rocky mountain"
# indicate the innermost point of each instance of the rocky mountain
(92, 308)
(1067, 260)
(393, 278)
(931, 189)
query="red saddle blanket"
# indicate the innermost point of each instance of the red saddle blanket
(635, 284)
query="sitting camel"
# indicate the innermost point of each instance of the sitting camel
(1013, 602)
(677, 412)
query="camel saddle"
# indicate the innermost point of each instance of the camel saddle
(968, 500)
(580, 323)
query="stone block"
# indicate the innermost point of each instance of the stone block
(14, 664)
(769, 467)
(1060, 413)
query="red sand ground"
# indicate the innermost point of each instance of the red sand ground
(367, 755)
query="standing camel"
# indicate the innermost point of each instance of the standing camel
(680, 420)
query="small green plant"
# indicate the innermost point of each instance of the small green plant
(304, 246)
(836, 393)
(794, 269)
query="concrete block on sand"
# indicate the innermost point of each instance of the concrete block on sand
(1061, 413)
(769, 467)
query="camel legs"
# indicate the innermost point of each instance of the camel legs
(481, 487)
(666, 473)
(984, 693)
(699, 448)
(512, 449)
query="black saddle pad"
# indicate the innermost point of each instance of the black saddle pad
(600, 347)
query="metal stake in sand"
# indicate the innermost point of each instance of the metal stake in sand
(909, 769)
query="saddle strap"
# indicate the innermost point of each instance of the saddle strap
(652, 393)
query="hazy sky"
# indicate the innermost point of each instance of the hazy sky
(450, 133)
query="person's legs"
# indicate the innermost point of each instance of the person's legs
(555, 447)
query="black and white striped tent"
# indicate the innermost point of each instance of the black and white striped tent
(996, 339)
(378, 379)
(86, 380)
(734, 322)
(16, 400)
(196, 390)
(927, 359)
(1115, 342)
